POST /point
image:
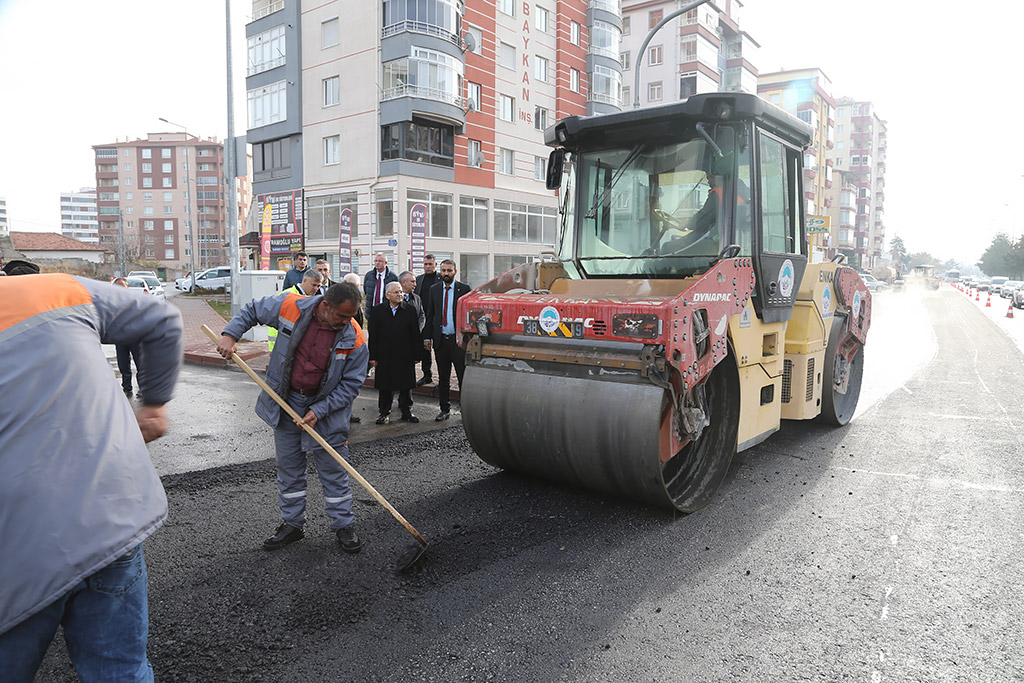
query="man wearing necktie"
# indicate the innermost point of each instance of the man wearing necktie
(376, 282)
(439, 333)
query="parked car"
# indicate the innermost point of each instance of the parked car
(1007, 288)
(211, 278)
(142, 273)
(180, 282)
(873, 284)
(155, 288)
(983, 284)
(1018, 297)
(995, 283)
(138, 283)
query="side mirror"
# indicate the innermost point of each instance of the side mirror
(556, 163)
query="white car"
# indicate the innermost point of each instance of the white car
(138, 283)
(142, 273)
(211, 278)
(873, 284)
(183, 283)
(155, 288)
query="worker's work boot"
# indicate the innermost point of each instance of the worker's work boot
(348, 540)
(284, 535)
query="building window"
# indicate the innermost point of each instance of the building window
(147, 182)
(419, 140)
(774, 98)
(625, 95)
(507, 55)
(332, 150)
(329, 33)
(147, 167)
(332, 91)
(540, 69)
(165, 167)
(655, 56)
(541, 19)
(574, 80)
(574, 33)
(147, 225)
(385, 213)
(267, 105)
(540, 118)
(168, 210)
(146, 153)
(146, 210)
(605, 39)
(624, 60)
(506, 161)
(266, 50)
(474, 156)
(687, 85)
(653, 17)
(169, 238)
(128, 196)
(478, 39)
(147, 196)
(128, 166)
(507, 7)
(473, 269)
(473, 96)
(128, 181)
(168, 225)
(165, 182)
(426, 73)
(507, 108)
(625, 26)
(271, 159)
(654, 91)
(165, 152)
(323, 215)
(688, 49)
(523, 223)
(168, 196)
(439, 211)
(605, 85)
(473, 218)
(540, 168)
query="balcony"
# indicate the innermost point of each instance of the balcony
(810, 173)
(604, 99)
(422, 92)
(424, 28)
(606, 5)
(267, 9)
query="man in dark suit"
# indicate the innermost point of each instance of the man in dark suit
(423, 284)
(375, 282)
(441, 330)
(324, 268)
(394, 349)
(408, 282)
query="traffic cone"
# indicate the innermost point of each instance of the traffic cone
(977, 295)
(1009, 311)
(988, 301)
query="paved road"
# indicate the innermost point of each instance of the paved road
(888, 550)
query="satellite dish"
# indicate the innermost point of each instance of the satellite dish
(471, 104)
(478, 160)
(470, 42)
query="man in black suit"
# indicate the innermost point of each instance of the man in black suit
(394, 350)
(423, 284)
(376, 281)
(324, 268)
(441, 330)
(408, 282)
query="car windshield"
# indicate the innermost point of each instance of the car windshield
(152, 281)
(137, 283)
(657, 209)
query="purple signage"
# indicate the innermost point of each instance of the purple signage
(345, 264)
(418, 223)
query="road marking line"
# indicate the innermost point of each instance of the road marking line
(964, 417)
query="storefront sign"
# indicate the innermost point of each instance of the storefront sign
(345, 261)
(281, 228)
(418, 223)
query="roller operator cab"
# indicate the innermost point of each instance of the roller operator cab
(680, 321)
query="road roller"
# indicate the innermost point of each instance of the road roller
(681, 318)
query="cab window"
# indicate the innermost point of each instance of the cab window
(779, 204)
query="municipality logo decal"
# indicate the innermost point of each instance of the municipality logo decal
(826, 302)
(856, 305)
(549, 319)
(786, 279)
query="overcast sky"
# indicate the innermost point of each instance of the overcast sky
(77, 74)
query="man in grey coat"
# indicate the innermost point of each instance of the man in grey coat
(78, 493)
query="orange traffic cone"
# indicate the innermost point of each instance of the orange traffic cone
(1009, 311)
(988, 301)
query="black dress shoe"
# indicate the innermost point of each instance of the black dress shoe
(284, 535)
(442, 416)
(409, 417)
(383, 419)
(348, 540)
(356, 419)
(128, 392)
(423, 380)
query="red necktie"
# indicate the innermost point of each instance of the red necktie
(376, 292)
(444, 309)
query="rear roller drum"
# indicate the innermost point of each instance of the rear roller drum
(838, 408)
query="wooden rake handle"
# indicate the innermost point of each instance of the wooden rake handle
(320, 440)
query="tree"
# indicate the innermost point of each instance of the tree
(899, 253)
(921, 258)
(1002, 258)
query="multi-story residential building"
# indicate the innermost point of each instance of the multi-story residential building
(703, 50)
(4, 225)
(78, 217)
(807, 94)
(155, 186)
(857, 212)
(420, 125)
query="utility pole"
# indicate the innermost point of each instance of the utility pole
(122, 256)
(230, 148)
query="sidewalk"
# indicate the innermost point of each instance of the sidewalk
(199, 350)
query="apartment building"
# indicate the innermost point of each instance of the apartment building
(4, 225)
(156, 186)
(703, 50)
(857, 212)
(420, 125)
(807, 94)
(78, 215)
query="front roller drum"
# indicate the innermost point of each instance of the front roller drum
(608, 436)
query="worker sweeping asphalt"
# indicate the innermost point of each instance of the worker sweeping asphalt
(318, 364)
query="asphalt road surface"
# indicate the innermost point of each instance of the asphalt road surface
(888, 550)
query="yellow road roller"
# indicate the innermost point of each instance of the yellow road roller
(680, 320)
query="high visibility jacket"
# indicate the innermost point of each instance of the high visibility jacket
(332, 405)
(272, 332)
(77, 487)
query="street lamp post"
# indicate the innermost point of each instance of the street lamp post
(188, 205)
